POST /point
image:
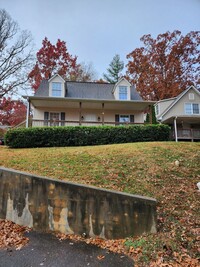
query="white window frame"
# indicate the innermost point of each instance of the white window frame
(191, 110)
(56, 92)
(123, 95)
(54, 121)
(124, 121)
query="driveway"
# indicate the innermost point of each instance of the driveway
(45, 249)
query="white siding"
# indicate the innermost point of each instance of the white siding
(179, 108)
(122, 83)
(59, 80)
(73, 114)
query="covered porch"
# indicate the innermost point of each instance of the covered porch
(185, 128)
(53, 111)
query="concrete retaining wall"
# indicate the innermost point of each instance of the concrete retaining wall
(47, 204)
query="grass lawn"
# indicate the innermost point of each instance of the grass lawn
(140, 168)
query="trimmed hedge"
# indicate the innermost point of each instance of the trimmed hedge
(84, 136)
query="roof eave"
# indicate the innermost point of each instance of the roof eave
(86, 99)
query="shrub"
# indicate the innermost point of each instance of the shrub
(2, 132)
(84, 136)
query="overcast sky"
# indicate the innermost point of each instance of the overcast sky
(96, 30)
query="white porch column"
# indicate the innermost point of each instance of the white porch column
(80, 113)
(175, 129)
(103, 113)
(27, 113)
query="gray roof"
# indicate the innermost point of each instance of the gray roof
(86, 90)
(43, 89)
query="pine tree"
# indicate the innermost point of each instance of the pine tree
(115, 67)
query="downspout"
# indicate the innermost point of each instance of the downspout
(175, 129)
(27, 113)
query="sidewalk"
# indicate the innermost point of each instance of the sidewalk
(45, 250)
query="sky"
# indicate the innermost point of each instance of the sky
(96, 30)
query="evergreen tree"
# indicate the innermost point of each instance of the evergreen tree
(154, 120)
(115, 67)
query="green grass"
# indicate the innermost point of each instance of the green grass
(139, 168)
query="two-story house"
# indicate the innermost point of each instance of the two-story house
(182, 113)
(62, 103)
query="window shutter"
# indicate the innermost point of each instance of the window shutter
(62, 116)
(131, 118)
(116, 119)
(46, 117)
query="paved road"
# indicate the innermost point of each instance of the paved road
(46, 250)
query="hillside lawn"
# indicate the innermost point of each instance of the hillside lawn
(147, 169)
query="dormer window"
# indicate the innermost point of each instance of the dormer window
(56, 89)
(123, 93)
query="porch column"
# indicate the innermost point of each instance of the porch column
(175, 129)
(102, 113)
(150, 115)
(80, 109)
(27, 113)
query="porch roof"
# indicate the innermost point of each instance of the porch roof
(55, 102)
(192, 119)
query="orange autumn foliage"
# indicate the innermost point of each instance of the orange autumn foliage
(165, 66)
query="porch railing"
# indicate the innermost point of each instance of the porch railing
(190, 134)
(40, 123)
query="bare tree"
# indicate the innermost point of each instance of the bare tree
(15, 55)
(85, 73)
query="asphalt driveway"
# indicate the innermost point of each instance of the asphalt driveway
(45, 249)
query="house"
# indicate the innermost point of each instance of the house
(65, 103)
(182, 113)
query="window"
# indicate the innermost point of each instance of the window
(123, 93)
(191, 108)
(124, 118)
(157, 109)
(56, 89)
(54, 119)
(195, 108)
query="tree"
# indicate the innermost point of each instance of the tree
(12, 112)
(154, 120)
(100, 81)
(15, 55)
(165, 66)
(115, 67)
(85, 73)
(53, 59)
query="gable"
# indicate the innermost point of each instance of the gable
(122, 90)
(56, 86)
(177, 108)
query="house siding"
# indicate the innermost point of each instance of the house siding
(123, 83)
(73, 114)
(163, 105)
(179, 108)
(59, 80)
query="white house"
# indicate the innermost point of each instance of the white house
(182, 113)
(61, 103)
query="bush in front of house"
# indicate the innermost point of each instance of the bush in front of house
(84, 136)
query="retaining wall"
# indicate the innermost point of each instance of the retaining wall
(47, 204)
